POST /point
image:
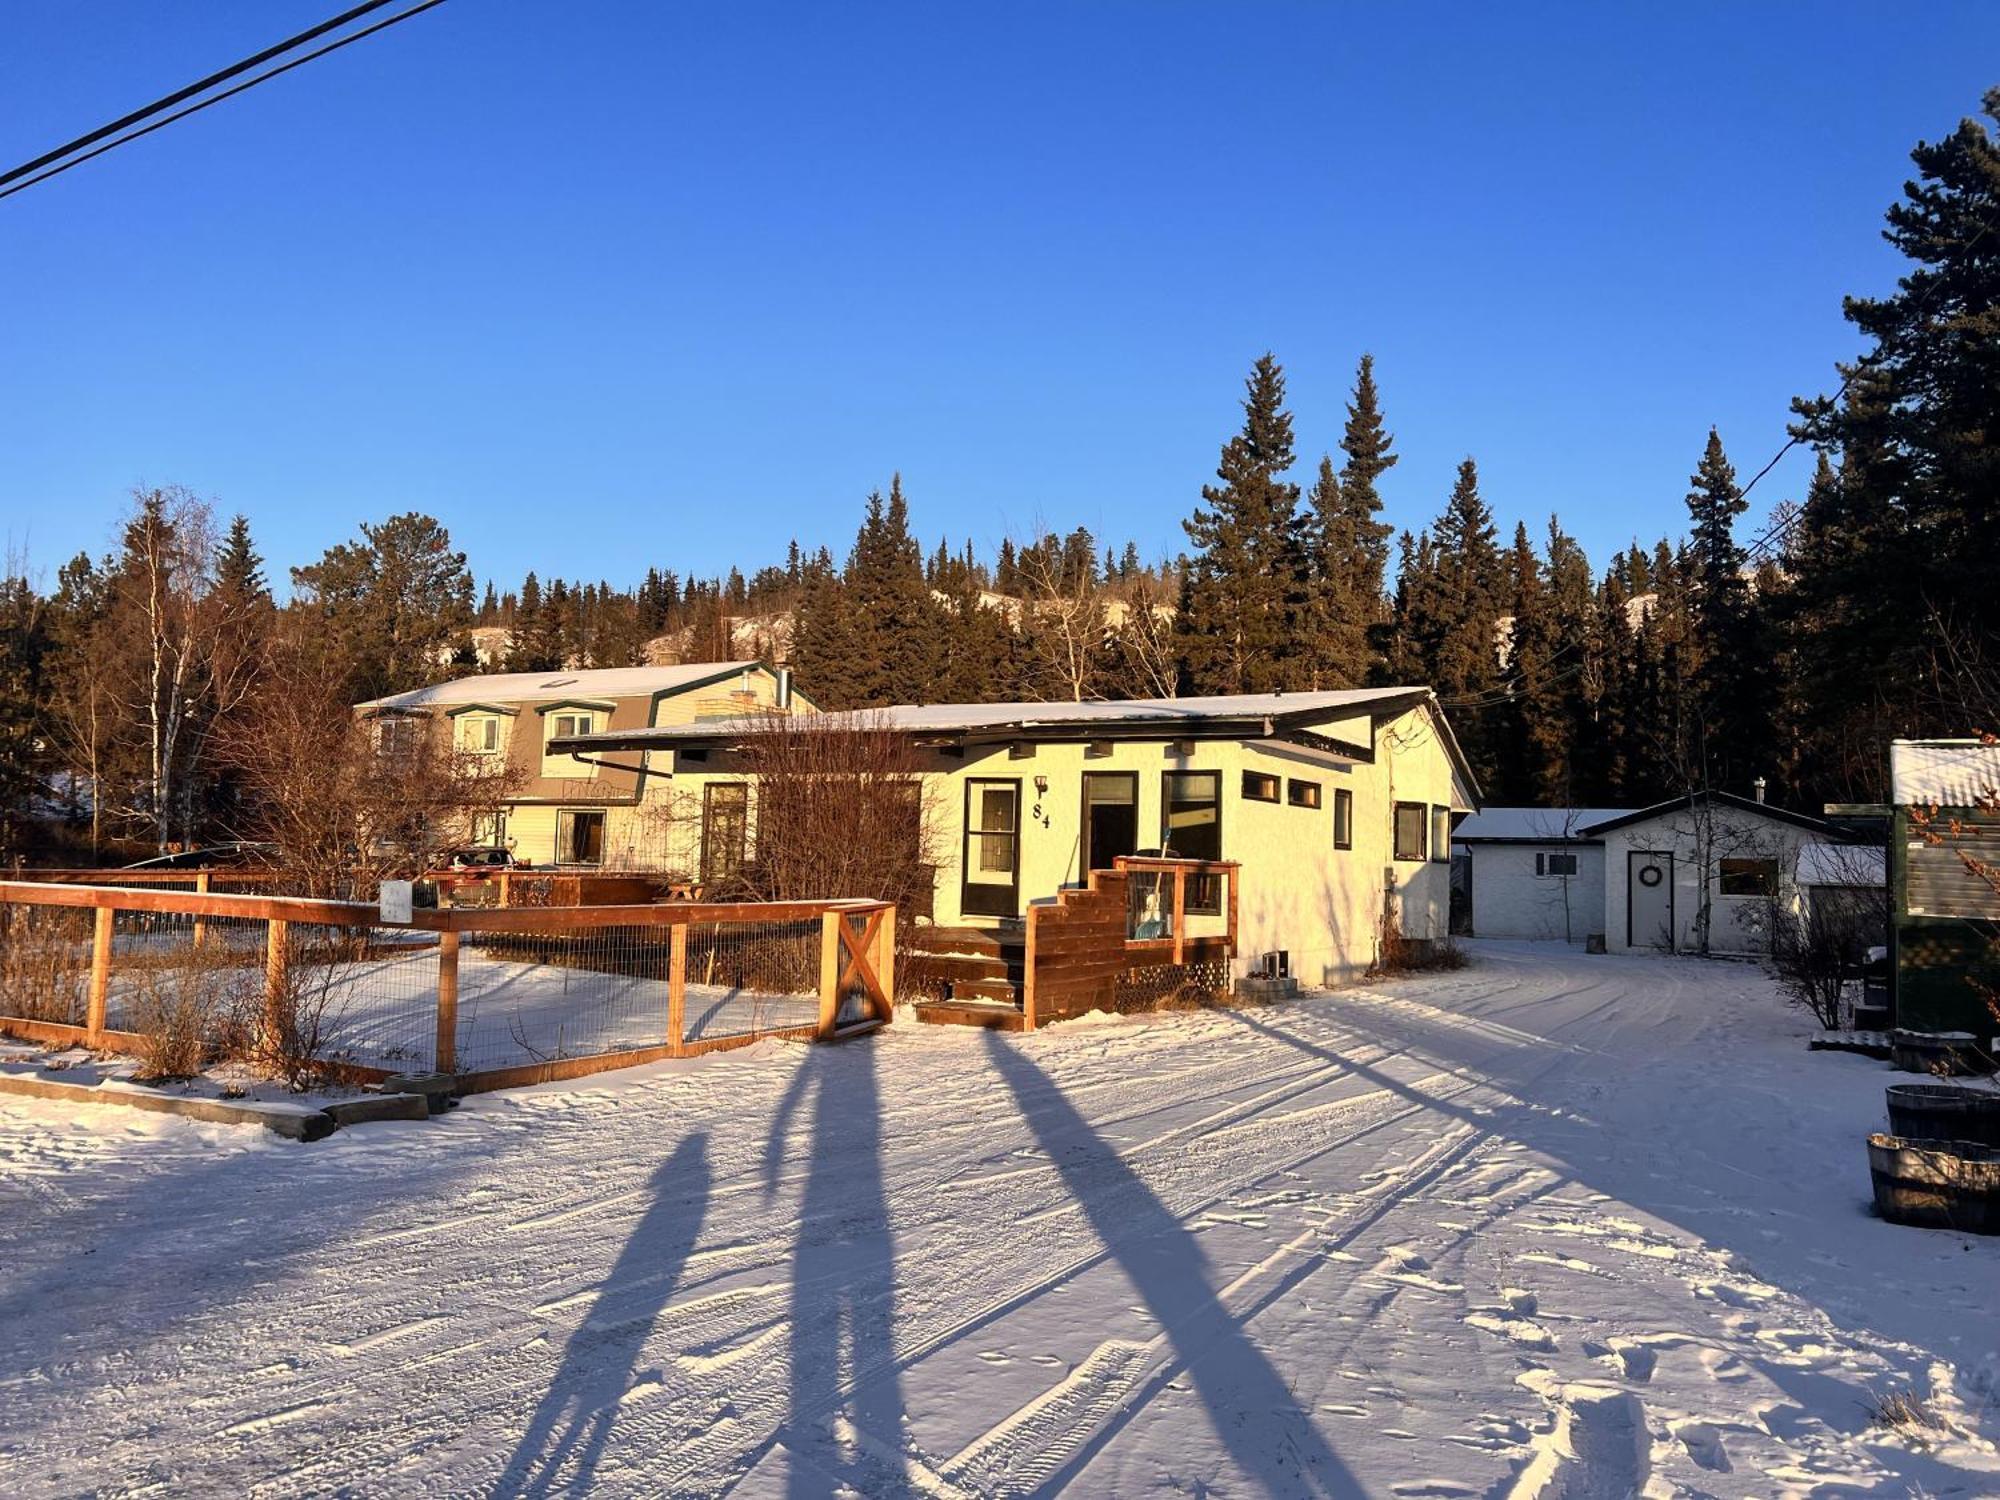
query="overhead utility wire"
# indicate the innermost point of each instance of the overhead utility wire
(1775, 533)
(76, 160)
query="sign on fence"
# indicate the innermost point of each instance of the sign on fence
(399, 901)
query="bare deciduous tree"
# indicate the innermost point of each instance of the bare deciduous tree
(840, 811)
(346, 802)
(1062, 621)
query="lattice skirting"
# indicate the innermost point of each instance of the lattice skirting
(1154, 984)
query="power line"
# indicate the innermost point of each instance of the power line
(1781, 526)
(61, 165)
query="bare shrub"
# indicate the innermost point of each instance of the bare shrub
(1397, 954)
(45, 963)
(304, 995)
(1812, 958)
(189, 1012)
(840, 812)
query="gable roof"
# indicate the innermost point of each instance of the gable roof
(1532, 825)
(592, 683)
(1943, 773)
(1228, 716)
(1726, 799)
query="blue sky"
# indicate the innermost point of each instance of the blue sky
(608, 285)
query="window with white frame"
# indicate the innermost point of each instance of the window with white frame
(1555, 864)
(479, 734)
(556, 725)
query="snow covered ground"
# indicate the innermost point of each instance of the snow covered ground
(1555, 1226)
(382, 1012)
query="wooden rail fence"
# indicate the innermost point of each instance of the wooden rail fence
(856, 960)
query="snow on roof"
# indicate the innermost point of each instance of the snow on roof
(1530, 824)
(952, 718)
(1943, 773)
(545, 687)
(1842, 864)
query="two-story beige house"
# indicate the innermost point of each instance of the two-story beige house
(564, 811)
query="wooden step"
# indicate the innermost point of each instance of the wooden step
(1001, 991)
(956, 941)
(949, 1013)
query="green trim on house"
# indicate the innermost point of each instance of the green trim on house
(481, 708)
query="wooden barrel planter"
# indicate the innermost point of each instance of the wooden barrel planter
(1944, 1112)
(1944, 1054)
(1936, 1184)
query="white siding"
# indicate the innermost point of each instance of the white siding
(1509, 900)
(1738, 924)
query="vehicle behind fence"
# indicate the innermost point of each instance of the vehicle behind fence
(496, 996)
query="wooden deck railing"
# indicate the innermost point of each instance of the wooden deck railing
(1142, 912)
(856, 957)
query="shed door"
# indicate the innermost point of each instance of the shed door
(1649, 899)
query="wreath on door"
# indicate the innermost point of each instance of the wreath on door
(1650, 875)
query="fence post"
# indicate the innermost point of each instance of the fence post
(677, 986)
(1180, 907)
(885, 965)
(276, 956)
(829, 972)
(446, 1059)
(201, 888)
(100, 977)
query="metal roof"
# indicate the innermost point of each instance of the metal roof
(1861, 865)
(589, 682)
(1532, 825)
(1236, 715)
(1944, 773)
(1727, 799)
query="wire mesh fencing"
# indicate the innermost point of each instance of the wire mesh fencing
(45, 960)
(303, 987)
(536, 997)
(747, 978)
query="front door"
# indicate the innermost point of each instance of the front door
(991, 883)
(1649, 899)
(1110, 817)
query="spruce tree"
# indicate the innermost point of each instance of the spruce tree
(239, 571)
(895, 620)
(1732, 648)
(1894, 583)
(1237, 627)
(1447, 625)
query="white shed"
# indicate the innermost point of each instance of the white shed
(1533, 872)
(1700, 874)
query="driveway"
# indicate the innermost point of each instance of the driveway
(1553, 1225)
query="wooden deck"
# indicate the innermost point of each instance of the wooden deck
(1108, 945)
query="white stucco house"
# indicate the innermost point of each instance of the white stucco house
(1533, 872)
(1330, 803)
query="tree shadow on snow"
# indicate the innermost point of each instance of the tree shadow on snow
(599, 1361)
(1258, 1418)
